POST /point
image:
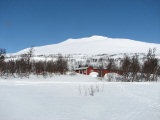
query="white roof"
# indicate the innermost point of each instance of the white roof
(81, 68)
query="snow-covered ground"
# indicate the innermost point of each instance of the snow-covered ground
(78, 98)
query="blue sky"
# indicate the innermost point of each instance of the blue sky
(25, 23)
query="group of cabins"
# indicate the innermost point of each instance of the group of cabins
(102, 72)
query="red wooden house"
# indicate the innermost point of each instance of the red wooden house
(102, 72)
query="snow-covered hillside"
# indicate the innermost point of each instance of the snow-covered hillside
(94, 45)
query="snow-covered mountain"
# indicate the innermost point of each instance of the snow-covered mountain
(94, 45)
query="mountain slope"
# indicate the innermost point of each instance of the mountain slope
(95, 45)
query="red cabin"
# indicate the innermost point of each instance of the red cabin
(88, 70)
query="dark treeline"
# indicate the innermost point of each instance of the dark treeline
(134, 70)
(131, 68)
(24, 66)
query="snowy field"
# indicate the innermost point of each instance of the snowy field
(77, 98)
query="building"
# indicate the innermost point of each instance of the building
(101, 72)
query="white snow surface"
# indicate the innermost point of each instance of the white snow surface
(94, 74)
(94, 45)
(68, 98)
